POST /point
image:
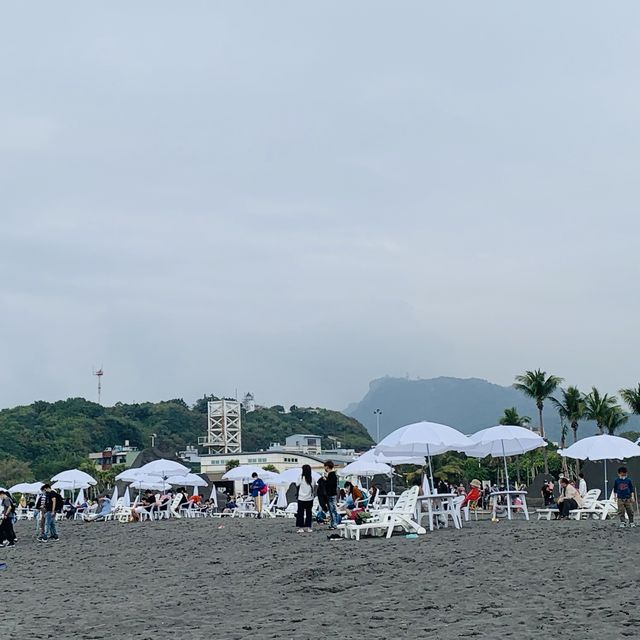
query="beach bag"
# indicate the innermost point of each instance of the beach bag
(59, 502)
(362, 517)
(264, 490)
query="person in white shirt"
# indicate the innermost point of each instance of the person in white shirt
(305, 500)
(582, 485)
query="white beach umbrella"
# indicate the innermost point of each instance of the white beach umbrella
(424, 439)
(366, 468)
(75, 478)
(245, 471)
(281, 501)
(293, 475)
(164, 468)
(603, 447)
(31, 488)
(68, 486)
(126, 499)
(114, 496)
(190, 480)
(147, 482)
(79, 498)
(501, 441)
(391, 460)
(129, 475)
(214, 495)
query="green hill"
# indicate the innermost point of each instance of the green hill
(40, 439)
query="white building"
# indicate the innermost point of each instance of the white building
(215, 465)
(301, 443)
(249, 402)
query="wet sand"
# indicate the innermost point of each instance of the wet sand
(189, 579)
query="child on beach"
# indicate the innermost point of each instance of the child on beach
(257, 491)
(624, 492)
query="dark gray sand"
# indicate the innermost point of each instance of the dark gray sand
(189, 579)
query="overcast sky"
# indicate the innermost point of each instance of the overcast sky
(295, 198)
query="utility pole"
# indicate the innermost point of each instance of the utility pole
(377, 413)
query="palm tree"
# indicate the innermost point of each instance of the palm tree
(597, 408)
(511, 416)
(615, 418)
(571, 408)
(537, 385)
(632, 398)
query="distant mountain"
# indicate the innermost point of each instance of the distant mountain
(467, 404)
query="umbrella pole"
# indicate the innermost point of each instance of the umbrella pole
(606, 483)
(391, 479)
(506, 472)
(433, 486)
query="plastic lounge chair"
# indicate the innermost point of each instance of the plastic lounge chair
(289, 512)
(174, 505)
(589, 506)
(472, 505)
(269, 510)
(401, 515)
(607, 508)
(547, 512)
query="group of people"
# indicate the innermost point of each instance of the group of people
(573, 490)
(328, 494)
(47, 505)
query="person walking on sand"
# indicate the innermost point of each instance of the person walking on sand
(52, 504)
(257, 488)
(41, 512)
(332, 493)
(305, 500)
(7, 511)
(624, 492)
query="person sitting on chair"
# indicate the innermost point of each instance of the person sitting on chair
(569, 499)
(474, 493)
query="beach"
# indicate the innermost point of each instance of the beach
(190, 579)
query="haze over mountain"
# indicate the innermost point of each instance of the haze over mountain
(468, 404)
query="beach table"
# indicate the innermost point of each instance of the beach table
(510, 496)
(437, 505)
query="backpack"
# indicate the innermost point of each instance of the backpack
(59, 501)
(264, 490)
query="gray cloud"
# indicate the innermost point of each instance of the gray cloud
(295, 199)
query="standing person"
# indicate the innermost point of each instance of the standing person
(332, 493)
(569, 499)
(7, 511)
(40, 507)
(305, 499)
(257, 488)
(52, 505)
(321, 492)
(582, 485)
(624, 491)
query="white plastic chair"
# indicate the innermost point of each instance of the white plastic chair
(401, 515)
(589, 506)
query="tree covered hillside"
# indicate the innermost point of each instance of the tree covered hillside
(40, 439)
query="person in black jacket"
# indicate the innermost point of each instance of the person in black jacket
(52, 505)
(332, 493)
(7, 509)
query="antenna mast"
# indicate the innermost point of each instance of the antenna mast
(99, 373)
